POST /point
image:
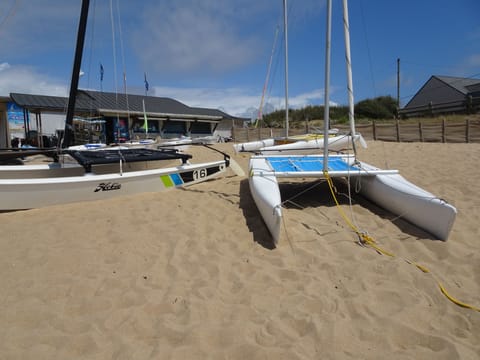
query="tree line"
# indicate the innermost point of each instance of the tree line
(382, 107)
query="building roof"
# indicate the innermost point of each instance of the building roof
(212, 112)
(458, 83)
(40, 102)
(111, 103)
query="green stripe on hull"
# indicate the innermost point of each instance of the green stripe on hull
(167, 181)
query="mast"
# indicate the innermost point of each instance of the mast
(260, 110)
(398, 85)
(285, 23)
(326, 114)
(346, 30)
(67, 139)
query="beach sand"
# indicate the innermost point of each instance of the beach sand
(192, 274)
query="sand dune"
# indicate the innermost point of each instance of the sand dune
(192, 274)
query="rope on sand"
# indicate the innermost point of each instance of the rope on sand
(366, 239)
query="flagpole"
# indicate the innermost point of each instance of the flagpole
(101, 77)
(145, 121)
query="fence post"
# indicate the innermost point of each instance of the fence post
(420, 130)
(444, 135)
(467, 131)
(397, 127)
(374, 130)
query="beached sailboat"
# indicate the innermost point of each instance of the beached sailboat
(299, 144)
(82, 175)
(387, 188)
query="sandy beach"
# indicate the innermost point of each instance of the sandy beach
(192, 273)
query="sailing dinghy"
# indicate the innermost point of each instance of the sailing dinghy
(387, 188)
(72, 183)
(81, 175)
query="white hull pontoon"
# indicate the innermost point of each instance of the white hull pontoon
(410, 202)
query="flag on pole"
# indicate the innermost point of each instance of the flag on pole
(101, 72)
(146, 82)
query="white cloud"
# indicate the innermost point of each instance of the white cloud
(192, 39)
(473, 61)
(235, 101)
(467, 67)
(23, 79)
(4, 66)
(309, 98)
(208, 37)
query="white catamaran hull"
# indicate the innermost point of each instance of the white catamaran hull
(412, 203)
(335, 143)
(259, 144)
(27, 193)
(253, 145)
(300, 144)
(386, 188)
(266, 194)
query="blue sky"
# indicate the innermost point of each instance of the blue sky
(212, 53)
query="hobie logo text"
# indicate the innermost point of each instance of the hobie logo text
(108, 186)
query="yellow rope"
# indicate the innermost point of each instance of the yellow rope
(366, 239)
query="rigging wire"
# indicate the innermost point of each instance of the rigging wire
(112, 22)
(90, 56)
(276, 65)
(278, 53)
(9, 13)
(122, 52)
(368, 49)
(265, 85)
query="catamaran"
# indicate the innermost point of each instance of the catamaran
(387, 188)
(80, 175)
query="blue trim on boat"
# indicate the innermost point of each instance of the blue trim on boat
(176, 179)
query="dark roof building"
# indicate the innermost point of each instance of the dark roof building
(444, 95)
(122, 114)
(105, 103)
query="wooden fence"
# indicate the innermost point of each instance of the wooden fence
(467, 131)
